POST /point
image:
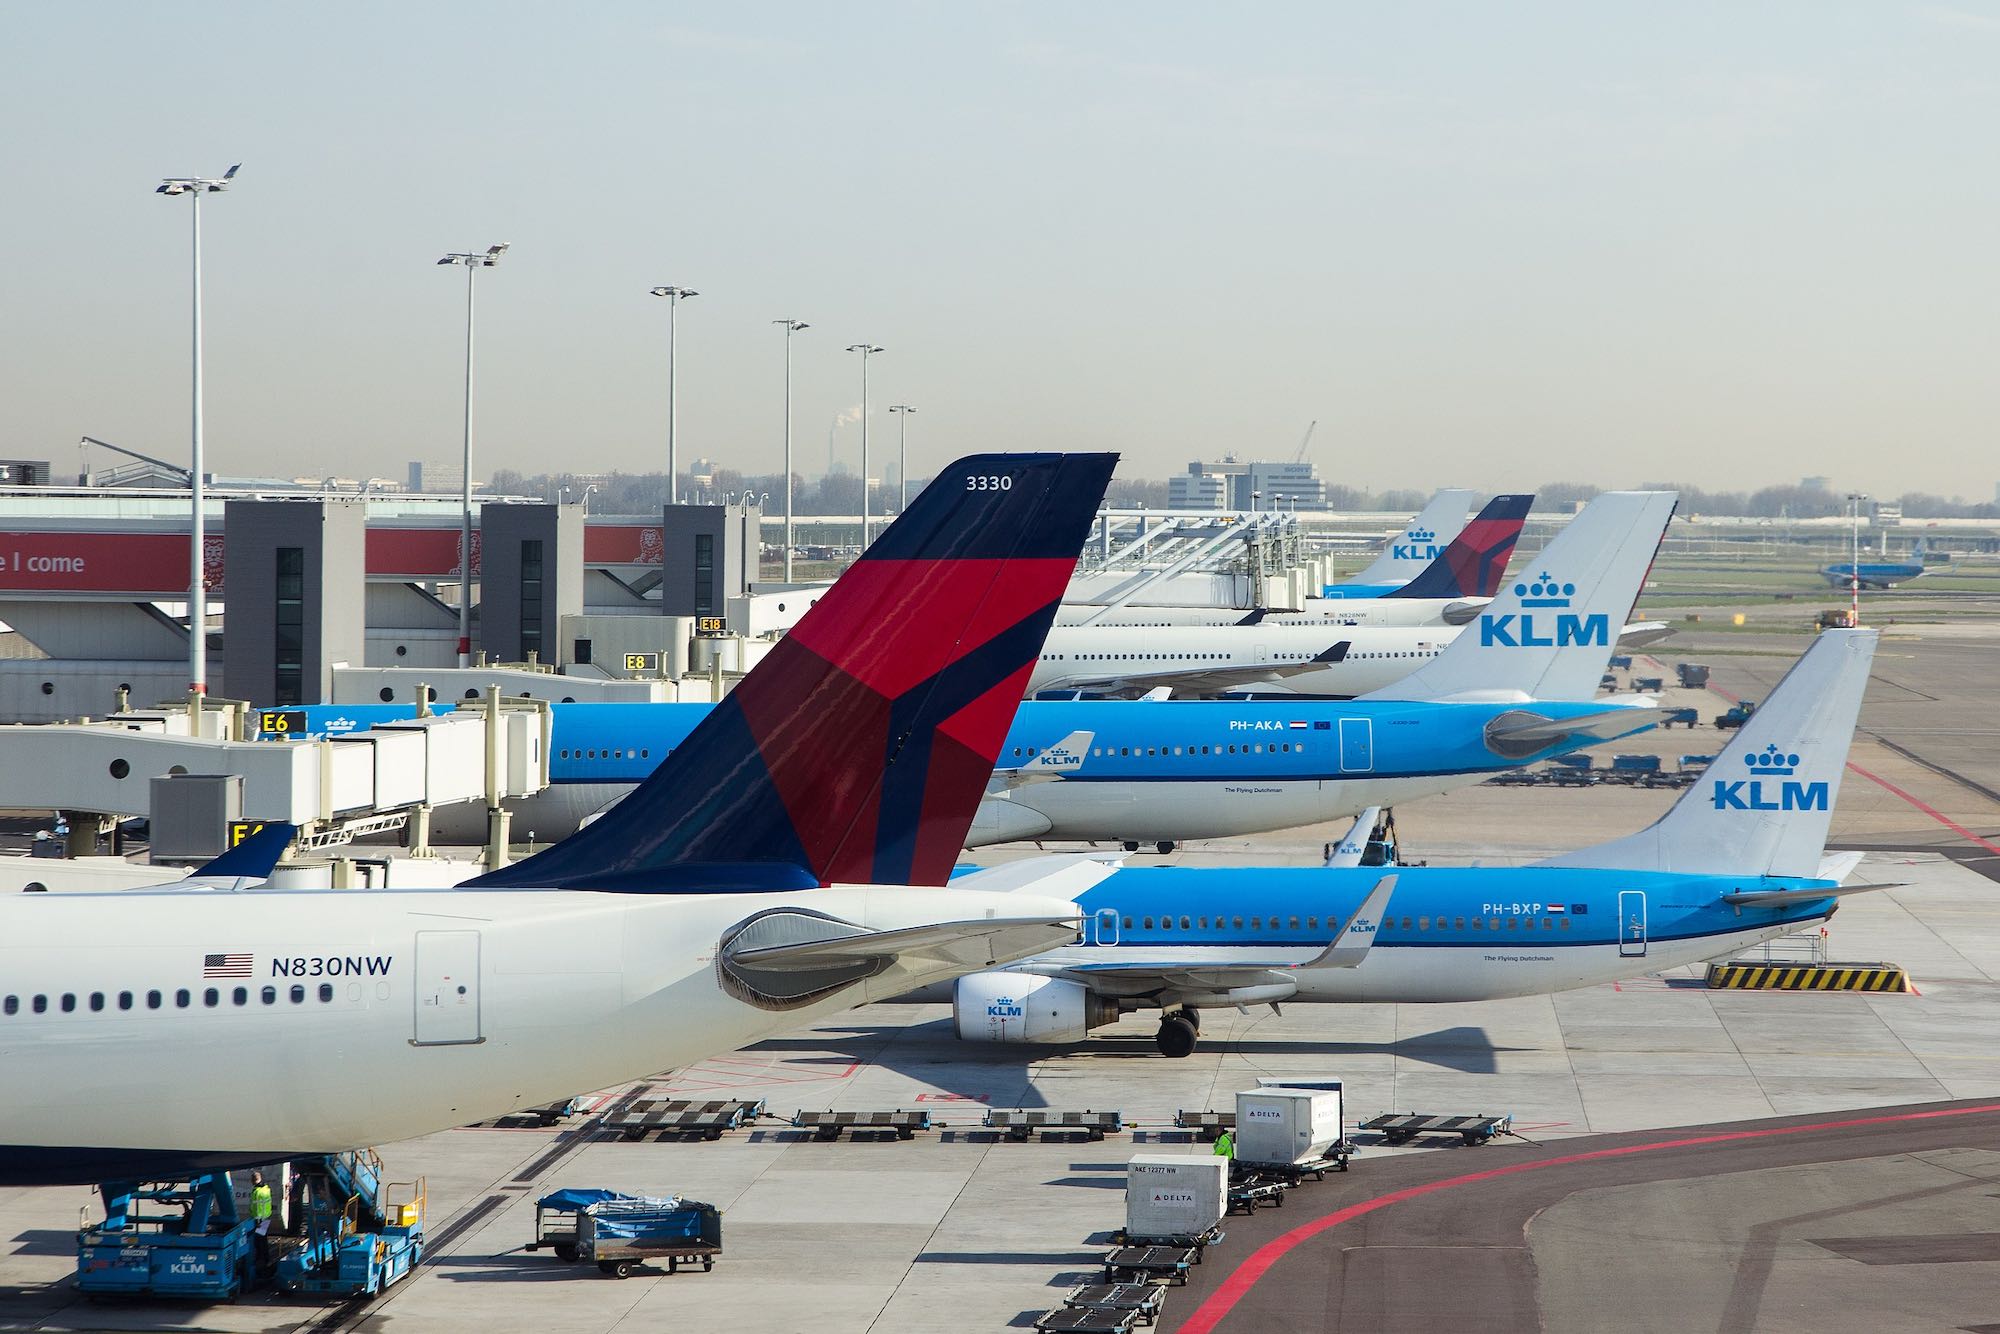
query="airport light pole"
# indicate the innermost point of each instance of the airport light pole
(472, 262)
(791, 327)
(194, 187)
(674, 296)
(866, 350)
(1854, 499)
(902, 411)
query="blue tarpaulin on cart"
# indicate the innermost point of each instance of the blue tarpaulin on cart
(575, 1201)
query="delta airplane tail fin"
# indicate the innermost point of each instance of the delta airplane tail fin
(1549, 633)
(1764, 806)
(1417, 545)
(859, 748)
(1476, 561)
(246, 865)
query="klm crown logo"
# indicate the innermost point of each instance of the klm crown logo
(1418, 544)
(1545, 593)
(1770, 786)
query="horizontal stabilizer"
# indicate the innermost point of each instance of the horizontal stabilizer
(1775, 898)
(1062, 876)
(1837, 866)
(1638, 634)
(1519, 733)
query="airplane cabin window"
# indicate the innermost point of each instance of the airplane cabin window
(270, 996)
(182, 1000)
(153, 999)
(211, 997)
(68, 1002)
(1479, 924)
(1493, 923)
(1236, 922)
(1256, 924)
(124, 1000)
(1423, 924)
(1166, 924)
(1565, 925)
(241, 995)
(1128, 924)
(1293, 922)
(1184, 923)
(13, 1005)
(326, 991)
(1548, 924)
(298, 995)
(1149, 924)
(96, 1001)
(41, 1005)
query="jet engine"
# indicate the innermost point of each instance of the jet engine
(1020, 1007)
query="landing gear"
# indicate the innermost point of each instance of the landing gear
(1177, 1035)
(1166, 846)
(1131, 845)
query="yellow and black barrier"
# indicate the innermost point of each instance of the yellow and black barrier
(1749, 976)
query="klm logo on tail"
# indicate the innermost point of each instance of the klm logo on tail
(1763, 791)
(1545, 624)
(1417, 544)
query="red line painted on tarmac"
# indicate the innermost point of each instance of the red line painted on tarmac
(1246, 1275)
(1931, 811)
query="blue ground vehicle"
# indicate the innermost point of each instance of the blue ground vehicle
(202, 1250)
(351, 1241)
(619, 1232)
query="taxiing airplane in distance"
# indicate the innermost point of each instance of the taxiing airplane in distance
(1878, 574)
(1737, 860)
(765, 874)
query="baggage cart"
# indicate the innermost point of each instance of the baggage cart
(620, 1236)
(1401, 1127)
(1151, 1264)
(1142, 1299)
(826, 1126)
(1022, 1125)
(557, 1215)
(1088, 1320)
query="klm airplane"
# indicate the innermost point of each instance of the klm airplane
(1517, 686)
(1877, 574)
(1410, 552)
(1737, 860)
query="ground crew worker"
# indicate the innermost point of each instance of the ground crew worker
(260, 1217)
(1225, 1145)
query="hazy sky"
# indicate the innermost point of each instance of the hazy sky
(1483, 244)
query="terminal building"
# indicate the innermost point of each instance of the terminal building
(1234, 485)
(304, 587)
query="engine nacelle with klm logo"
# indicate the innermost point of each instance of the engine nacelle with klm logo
(1021, 1007)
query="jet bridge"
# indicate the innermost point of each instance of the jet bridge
(335, 789)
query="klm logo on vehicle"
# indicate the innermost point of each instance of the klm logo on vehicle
(1770, 786)
(1544, 624)
(1417, 544)
(1004, 1007)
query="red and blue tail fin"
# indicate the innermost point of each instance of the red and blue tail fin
(1476, 561)
(858, 749)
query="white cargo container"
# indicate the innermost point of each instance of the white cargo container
(1282, 1126)
(1174, 1195)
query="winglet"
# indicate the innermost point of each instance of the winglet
(1350, 947)
(1353, 845)
(1061, 760)
(246, 865)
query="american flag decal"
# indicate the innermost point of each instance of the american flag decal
(226, 965)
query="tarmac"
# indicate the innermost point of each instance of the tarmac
(1891, 1224)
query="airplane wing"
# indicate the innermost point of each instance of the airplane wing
(1347, 950)
(1521, 732)
(1772, 898)
(1058, 761)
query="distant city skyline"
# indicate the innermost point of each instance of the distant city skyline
(1480, 245)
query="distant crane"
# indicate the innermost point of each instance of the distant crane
(1311, 426)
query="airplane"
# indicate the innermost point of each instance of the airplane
(1459, 579)
(1878, 574)
(1299, 658)
(1737, 860)
(1158, 772)
(776, 868)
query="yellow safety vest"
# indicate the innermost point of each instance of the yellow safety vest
(260, 1202)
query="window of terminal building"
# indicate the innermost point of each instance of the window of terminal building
(531, 596)
(704, 574)
(288, 626)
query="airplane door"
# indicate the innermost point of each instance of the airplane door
(1105, 931)
(447, 987)
(1357, 745)
(1632, 923)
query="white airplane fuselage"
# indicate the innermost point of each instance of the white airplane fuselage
(1323, 612)
(1087, 656)
(252, 1026)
